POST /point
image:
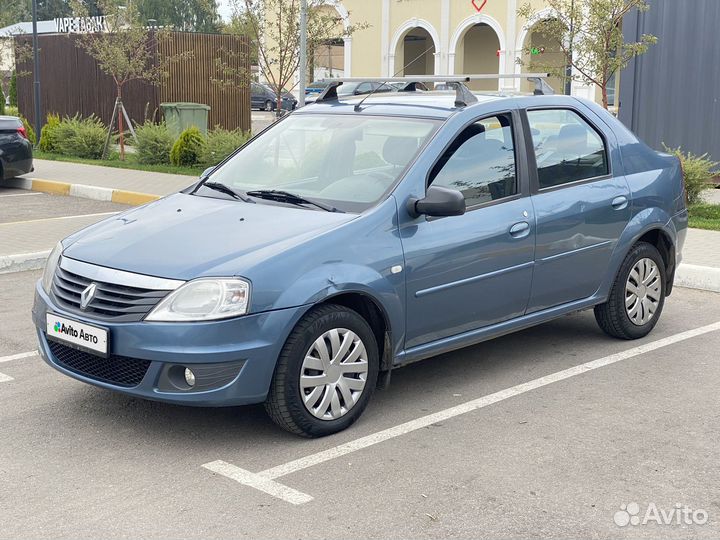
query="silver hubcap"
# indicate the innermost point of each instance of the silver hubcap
(333, 374)
(643, 291)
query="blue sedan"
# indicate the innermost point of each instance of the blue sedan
(359, 235)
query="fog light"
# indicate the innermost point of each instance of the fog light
(189, 377)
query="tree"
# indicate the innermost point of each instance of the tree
(183, 15)
(274, 27)
(589, 35)
(127, 51)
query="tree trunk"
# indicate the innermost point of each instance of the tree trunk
(604, 95)
(120, 125)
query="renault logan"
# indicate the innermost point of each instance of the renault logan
(352, 238)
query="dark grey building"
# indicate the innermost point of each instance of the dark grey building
(671, 94)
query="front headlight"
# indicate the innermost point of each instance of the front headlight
(51, 266)
(204, 299)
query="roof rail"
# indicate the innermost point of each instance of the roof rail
(463, 96)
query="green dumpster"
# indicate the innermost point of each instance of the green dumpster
(180, 116)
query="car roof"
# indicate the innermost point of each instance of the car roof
(421, 104)
(430, 104)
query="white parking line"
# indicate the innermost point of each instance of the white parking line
(257, 479)
(18, 356)
(20, 194)
(58, 218)
(276, 489)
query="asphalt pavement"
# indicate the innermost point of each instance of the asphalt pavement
(557, 431)
(554, 458)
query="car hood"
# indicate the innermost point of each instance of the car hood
(185, 236)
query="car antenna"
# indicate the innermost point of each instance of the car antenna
(384, 83)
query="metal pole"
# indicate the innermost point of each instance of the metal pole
(568, 69)
(36, 70)
(303, 52)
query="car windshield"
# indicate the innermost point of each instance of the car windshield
(345, 161)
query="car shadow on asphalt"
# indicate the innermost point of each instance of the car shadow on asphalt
(418, 389)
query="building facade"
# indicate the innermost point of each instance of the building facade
(445, 37)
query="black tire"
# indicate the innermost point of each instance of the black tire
(612, 316)
(284, 403)
(269, 105)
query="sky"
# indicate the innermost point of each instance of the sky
(225, 9)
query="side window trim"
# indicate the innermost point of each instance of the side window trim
(530, 149)
(518, 150)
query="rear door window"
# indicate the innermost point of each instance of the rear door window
(567, 148)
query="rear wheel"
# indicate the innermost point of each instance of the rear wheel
(637, 296)
(326, 373)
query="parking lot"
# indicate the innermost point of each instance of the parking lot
(553, 431)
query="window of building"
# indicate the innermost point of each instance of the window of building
(567, 148)
(480, 163)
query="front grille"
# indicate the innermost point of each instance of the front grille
(118, 370)
(118, 303)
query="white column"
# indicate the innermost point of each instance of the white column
(451, 63)
(391, 64)
(385, 40)
(510, 52)
(436, 68)
(444, 37)
(347, 54)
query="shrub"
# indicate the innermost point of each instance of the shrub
(13, 89)
(220, 144)
(48, 133)
(2, 100)
(188, 148)
(78, 137)
(12, 111)
(154, 143)
(29, 131)
(698, 171)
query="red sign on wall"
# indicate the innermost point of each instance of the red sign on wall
(481, 2)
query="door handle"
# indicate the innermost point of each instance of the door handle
(620, 203)
(520, 230)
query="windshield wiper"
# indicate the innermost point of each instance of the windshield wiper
(291, 198)
(222, 188)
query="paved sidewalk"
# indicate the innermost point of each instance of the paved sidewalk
(110, 177)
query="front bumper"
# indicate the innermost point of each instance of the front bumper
(249, 345)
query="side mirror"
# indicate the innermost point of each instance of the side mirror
(206, 172)
(438, 202)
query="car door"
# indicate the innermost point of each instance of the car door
(581, 208)
(257, 96)
(469, 271)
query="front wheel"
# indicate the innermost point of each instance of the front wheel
(326, 373)
(269, 105)
(637, 296)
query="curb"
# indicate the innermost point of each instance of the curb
(120, 196)
(23, 261)
(693, 276)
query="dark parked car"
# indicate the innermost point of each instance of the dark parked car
(264, 98)
(348, 240)
(15, 148)
(355, 89)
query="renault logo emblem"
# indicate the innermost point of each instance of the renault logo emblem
(87, 295)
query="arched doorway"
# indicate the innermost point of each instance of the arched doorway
(331, 59)
(415, 53)
(541, 54)
(413, 49)
(477, 53)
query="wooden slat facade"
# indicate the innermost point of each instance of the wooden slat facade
(71, 81)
